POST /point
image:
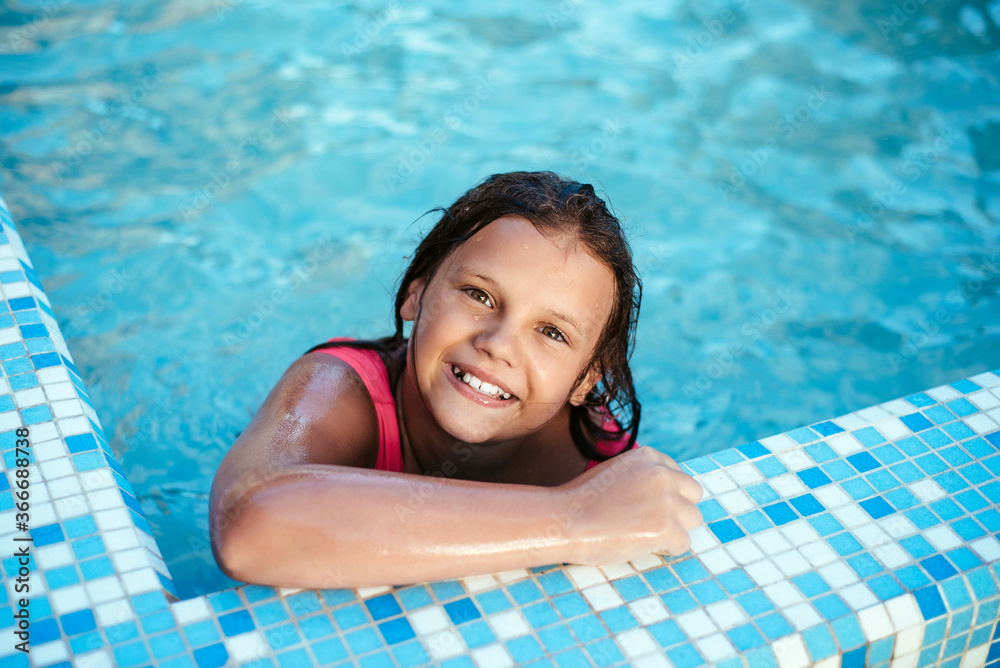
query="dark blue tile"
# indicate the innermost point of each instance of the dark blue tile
(726, 530)
(916, 422)
(930, 602)
(813, 477)
(396, 630)
(383, 606)
(235, 623)
(753, 450)
(877, 507)
(807, 505)
(780, 513)
(462, 611)
(863, 461)
(827, 428)
(938, 567)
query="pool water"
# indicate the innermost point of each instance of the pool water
(209, 189)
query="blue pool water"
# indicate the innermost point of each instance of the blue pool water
(209, 189)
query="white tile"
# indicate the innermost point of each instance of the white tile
(986, 380)
(831, 496)
(73, 426)
(617, 571)
(56, 468)
(49, 652)
(875, 623)
(196, 609)
(716, 482)
(763, 572)
(844, 444)
(717, 561)
(858, 596)
(128, 560)
(636, 642)
(745, 474)
(787, 484)
(988, 548)
(480, 583)
(121, 539)
(975, 657)
(63, 487)
(247, 647)
(904, 613)
(943, 393)
(894, 429)
(98, 659)
(652, 660)
(52, 374)
(897, 526)
(54, 556)
(71, 506)
(911, 637)
(701, 539)
(696, 624)
(772, 541)
(984, 400)
(60, 391)
(851, 516)
(649, 610)
(109, 520)
(829, 662)
(736, 501)
(105, 499)
(646, 561)
(104, 589)
(927, 490)
(779, 443)
(429, 620)
(726, 614)
(67, 408)
(11, 420)
(444, 645)
(510, 624)
(942, 537)
(895, 407)
(892, 555)
(980, 424)
(782, 594)
(49, 450)
(792, 563)
(799, 532)
(850, 422)
(790, 652)
(839, 573)
(32, 397)
(744, 551)
(42, 514)
(584, 576)
(870, 535)
(795, 460)
(994, 415)
(68, 599)
(715, 647)
(872, 414)
(602, 597)
(802, 616)
(514, 575)
(140, 581)
(492, 656)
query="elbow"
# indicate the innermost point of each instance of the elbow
(233, 541)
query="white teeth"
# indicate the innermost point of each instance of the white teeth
(480, 386)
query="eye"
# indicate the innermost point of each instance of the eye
(479, 296)
(553, 333)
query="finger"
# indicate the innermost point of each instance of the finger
(689, 516)
(690, 489)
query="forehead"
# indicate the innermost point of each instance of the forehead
(554, 271)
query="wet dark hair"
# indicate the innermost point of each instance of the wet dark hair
(554, 205)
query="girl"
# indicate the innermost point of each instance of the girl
(481, 443)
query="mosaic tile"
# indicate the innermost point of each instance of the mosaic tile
(866, 540)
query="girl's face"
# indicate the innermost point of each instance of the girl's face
(507, 324)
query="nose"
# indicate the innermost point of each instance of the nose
(499, 341)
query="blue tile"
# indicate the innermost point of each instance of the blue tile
(131, 654)
(838, 470)
(951, 482)
(962, 407)
(317, 626)
(524, 649)
(956, 595)
(678, 601)
(820, 452)
(167, 644)
(280, 637)
(726, 530)
(328, 651)
(631, 588)
(917, 546)
(78, 622)
(780, 513)
(754, 522)
(803, 435)
(877, 507)
(667, 633)
(736, 581)
(270, 613)
(882, 480)
(831, 607)
(727, 457)
(930, 602)
(235, 623)
(965, 386)
(711, 510)
(968, 529)
(825, 524)
(807, 505)
(447, 590)
(762, 493)
(901, 498)
(296, 658)
(410, 654)
(947, 509)
(707, 592)
(476, 634)
(745, 637)
(556, 638)
(887, 454)
(858, 489)
(916, 422)
(524, 592)
(771, 467)
(863, 462)
(964, 559)
(462, 610)
(571, 605)
(383, 606)
(811, 584)
(938, 567)
(588, 628)
(350, 617)
(912, 577)
(619, 619)
(976, 474)
(885, 587)
(827, 428)
(819, 642)
(362, 640)
(848, 632)
(755, 603)
(939, 414)
(753, 450)
(491, 601)
(540, 614)
(864, 565)
(414, 597)
(935, 438)
(303, 603)
(813, 477)
(685, 656)
(604, 653)
(958, 430)
(911, 446)
(855, 658)
(555, 582)
(163, 620)
(869, 436)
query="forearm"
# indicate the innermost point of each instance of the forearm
(331, 526)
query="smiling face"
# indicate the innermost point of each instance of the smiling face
(517, 310)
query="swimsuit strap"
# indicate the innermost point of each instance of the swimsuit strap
(368, 365)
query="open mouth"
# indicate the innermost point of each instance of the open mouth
(480, 386)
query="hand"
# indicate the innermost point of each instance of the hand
(634, 504)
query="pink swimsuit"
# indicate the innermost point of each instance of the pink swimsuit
(375, 376)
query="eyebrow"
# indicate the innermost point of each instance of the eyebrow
(572, 322)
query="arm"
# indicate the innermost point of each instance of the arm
(287, 511)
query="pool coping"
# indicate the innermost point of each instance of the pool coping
(867, 539)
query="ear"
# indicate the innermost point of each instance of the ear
(411, 306)
(579, 395)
